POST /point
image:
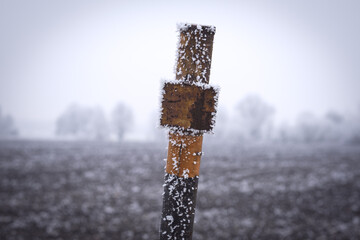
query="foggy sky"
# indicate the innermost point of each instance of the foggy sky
(297, 55)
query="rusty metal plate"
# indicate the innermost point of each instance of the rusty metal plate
(189, 107)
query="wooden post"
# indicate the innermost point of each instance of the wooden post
(188, 109)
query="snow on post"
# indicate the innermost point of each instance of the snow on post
(188, 110)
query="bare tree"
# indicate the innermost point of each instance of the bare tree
(83, 122)
(122, 120)
(334, 117)
(7, 126)
(309, 128)
(254, 118)
(333, 127)
(285, 132)
(353, 135)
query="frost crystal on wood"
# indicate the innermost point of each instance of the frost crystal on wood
(194, 53)
(179, 207)
(188, 109)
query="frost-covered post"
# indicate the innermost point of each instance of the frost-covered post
(188, 110)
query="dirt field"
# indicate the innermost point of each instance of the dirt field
(78, 190)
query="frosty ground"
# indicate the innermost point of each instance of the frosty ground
(97, 190)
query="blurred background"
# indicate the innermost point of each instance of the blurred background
(298, 61)
(79, 107)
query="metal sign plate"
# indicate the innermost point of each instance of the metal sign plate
(188, 107)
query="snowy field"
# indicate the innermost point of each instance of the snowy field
(77, 190)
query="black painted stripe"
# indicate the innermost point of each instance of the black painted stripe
(179, 201)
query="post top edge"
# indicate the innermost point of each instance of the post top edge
(183, 27)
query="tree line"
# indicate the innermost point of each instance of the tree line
(90, 123)
(7, 126)
(251, 121)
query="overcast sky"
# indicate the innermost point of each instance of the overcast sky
(297, 55)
